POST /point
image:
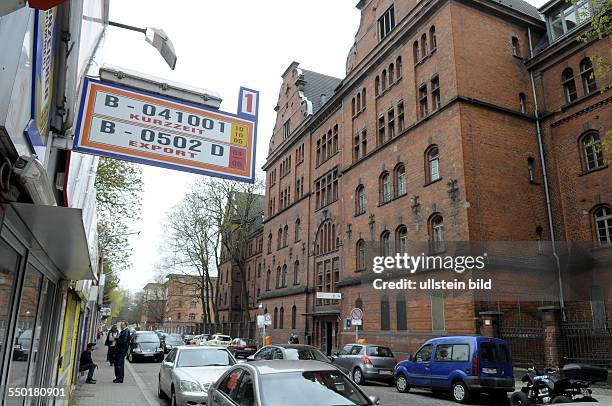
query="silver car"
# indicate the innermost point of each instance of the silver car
(286, 383)
(187, 373)
(367, 362)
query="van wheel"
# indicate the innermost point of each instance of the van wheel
(401, 384)
(358, 376)
(561, 399)
(460, 392)
(519, 399)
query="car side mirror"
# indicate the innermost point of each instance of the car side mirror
(167, 364)
(335, 353)
(375, 400)
(251, 358)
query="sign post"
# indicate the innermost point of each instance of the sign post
(356, 317)
(267, 322)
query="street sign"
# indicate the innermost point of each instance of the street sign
(140, 126)
(329, 295)
(261, 320)
(356, 322)
(348, 324)
(356, 314)
(267, 319)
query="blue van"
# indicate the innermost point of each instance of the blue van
(463, 365)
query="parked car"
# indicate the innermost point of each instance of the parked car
(187, 338)
(219, 339)
(296, 352)
(463, 365)
(295, 383)
(366, 362)
(145, 345)
(242, 347)
(187, 373)
(170, 341)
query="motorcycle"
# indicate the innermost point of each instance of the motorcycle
(568, 384)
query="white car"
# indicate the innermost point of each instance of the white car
(219, 340)
(188, 372)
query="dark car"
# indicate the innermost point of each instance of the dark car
(462, 365)
(367, 362)
(170, 341)
(242, 347)
(145, 345)
(295, 383)
(298, 352)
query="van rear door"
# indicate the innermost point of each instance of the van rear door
(493, 359)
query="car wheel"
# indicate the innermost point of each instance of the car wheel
(173, 398)
(401, 384)
(561, 399)
(519, 399)
(130, 357)
(160, 392)
(460, 392)
(587, 399)
(358, 376)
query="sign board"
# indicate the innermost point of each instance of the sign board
(260, 320)
(348, 323)
(45, 22)
(329, 295)
(356, 314)
(268, 319)
(356, 322)
(139, 126)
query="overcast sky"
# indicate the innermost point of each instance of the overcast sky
(222, 45)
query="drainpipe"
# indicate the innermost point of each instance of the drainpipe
(546, 188)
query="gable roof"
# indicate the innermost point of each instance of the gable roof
(316, 85)
(521, 6)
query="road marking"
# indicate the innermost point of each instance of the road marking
(141, 385)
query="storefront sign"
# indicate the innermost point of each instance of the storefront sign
(329, 295)
(139, 126)
(42, 75)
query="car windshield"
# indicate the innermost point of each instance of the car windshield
(204, 358)
(174, 340)
(146, 338)
(323, 388)
(305, 354)
(380, 352)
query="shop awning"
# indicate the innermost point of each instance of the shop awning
(59, 232)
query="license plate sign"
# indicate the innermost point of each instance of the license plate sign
(489, 370)
(385, 372)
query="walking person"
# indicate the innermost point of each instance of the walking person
(111, 343)
(86, 363)
(121, 348)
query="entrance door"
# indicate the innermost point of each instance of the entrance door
(329, 341)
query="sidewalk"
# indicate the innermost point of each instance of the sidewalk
(105, 392)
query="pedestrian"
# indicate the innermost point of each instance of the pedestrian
(294, 339)
(121, 349)
(111, 343)
(86, 363)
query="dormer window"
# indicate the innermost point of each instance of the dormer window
(386, 23)
(567, 16)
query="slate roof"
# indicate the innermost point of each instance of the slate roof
(521, 6)
(318, 84)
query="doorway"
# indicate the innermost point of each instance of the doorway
(329, 340)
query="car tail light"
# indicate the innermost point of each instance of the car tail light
(366, 360)
(475, 364)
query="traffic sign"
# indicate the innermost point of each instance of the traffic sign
(357, 322)
(267, 319)
(356, 314)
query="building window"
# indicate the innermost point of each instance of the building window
(377, 85)
(588, 76)
(386, 23)
(297, 230)
(391, 123)
(279, 241)
(293, 317)
(191, 316)
(516, 47)
(275, 326)
(400, 180)
(270, 243)
(433, 43)
(569, 86)
(437, 233)
(433, 164)
(423, 46)
(415, 52)
(358, 104)
(435, 93)
(361, 255)
(423, 101)
(592, 151)
(391, 73)
(523, 103)
(360, 200)
(356, 147)
(385, 314)
(401, 238)
(400, 305)
(398, 67)
(278, 277)
(285, 234)
(385, 244)
(353, 110)
(296, 272)
(437, 312)
(603, 224)
(381, 130)
(385, 188)
(284, 277)
(286, 130)
(363, 99)
(566, 17)
(383, 80)
(268, 275)
(364, 142)
(531, 169)
(400, 117)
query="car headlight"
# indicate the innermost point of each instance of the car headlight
(137, 349)
(188, 386)
(206, 386)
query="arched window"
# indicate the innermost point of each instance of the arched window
(275, 326)
(385, 314)
(296, 273)
(281, 317)
(415, 52)
(400, 305)
(433, 43)
(285, 235)
(423, 46)
(279, 242)
(377, 85)
(400, 180)
(298, 230)
(588, 76)
(592, 151)
(383, 80)
(284, 277)
(391, 73)
(324, 241)
(293, 317)
(569, 86)
(432, 164)
(385, 187)
(385, 244)
(269, 243)
(358, 105)
(603, 224)
(268, 276)
(401, 238)
(361, 255)
(360, 202)
(436, 225)
(353, 110)
(398, 67)
(516, 47)
(363, 98)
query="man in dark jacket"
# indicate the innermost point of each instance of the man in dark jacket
(121, 349)
(87, 364)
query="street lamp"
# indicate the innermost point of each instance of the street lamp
(156, 37)
(170, 322)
